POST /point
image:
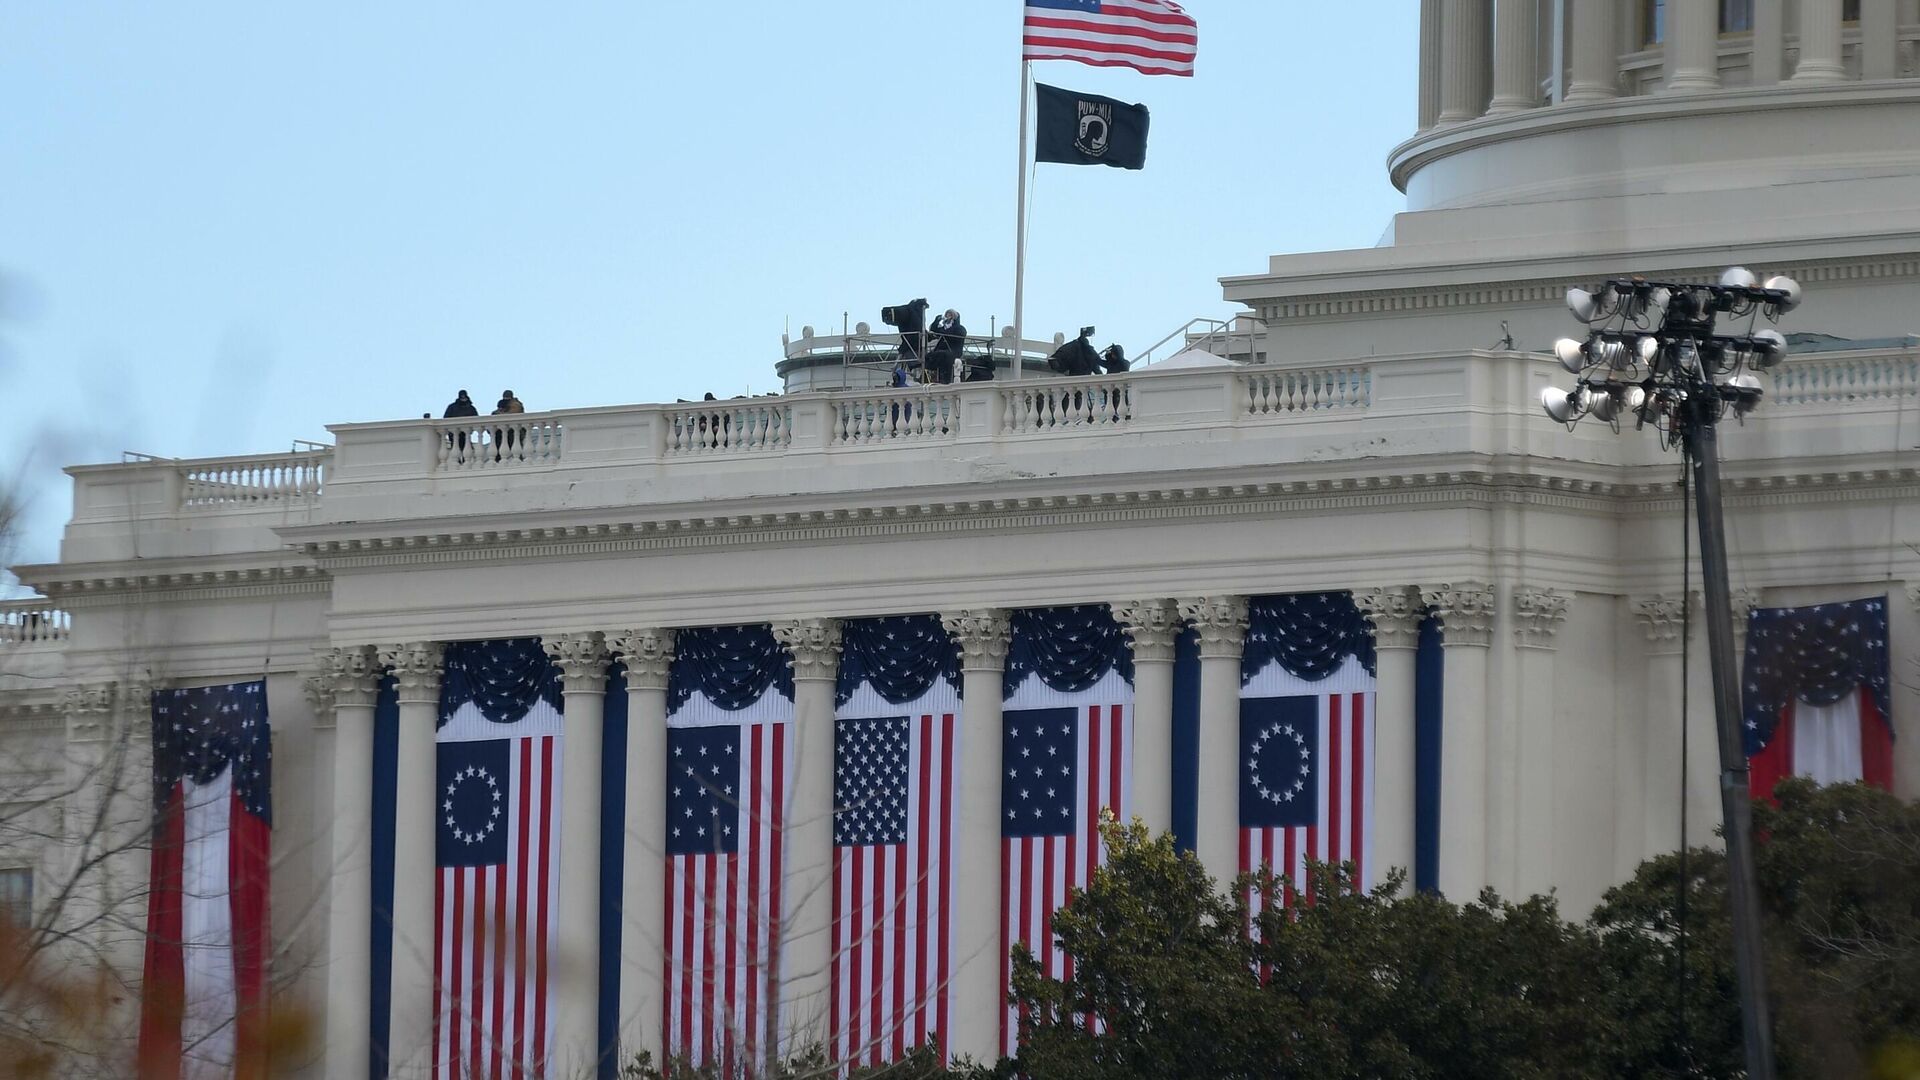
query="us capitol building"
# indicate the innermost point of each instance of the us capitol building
(1355, 435)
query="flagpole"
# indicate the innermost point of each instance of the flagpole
(1020, 230)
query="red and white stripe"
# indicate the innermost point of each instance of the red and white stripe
(1037, 871)
(892, 936)
(1344, 801)
(722, 919)
(1154, 37)
(494, 929)
(1830, 744)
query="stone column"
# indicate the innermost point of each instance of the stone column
(1530, 817)
(1463, 73)
(1467, 611)
(648, 656)
(1429, 63)
(1516, 51)
(1693, 38)
(1152, 626)
(347, 686)
(416, 673)
(975, 992)
(1648, 794)
(1819, 43)
(1879, 39)
(82, 890)
(1768, 60)
(806, 970)
(1395, 612)
(582, 660)
(1594, 74)
(1221, 623)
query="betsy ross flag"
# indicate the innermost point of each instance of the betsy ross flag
(1154, 37)
(497, 816)
(204, 1009)
(896, 733)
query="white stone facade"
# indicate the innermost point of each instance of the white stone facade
(1378, 449)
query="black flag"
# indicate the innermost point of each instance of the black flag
(1087, 129)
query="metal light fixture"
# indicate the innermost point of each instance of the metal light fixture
(1656, 354)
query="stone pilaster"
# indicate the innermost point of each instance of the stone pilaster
(344, 693)
(1220, 622)
(1652, 787)
(1522, 748)
(417, 667)
(582, 660)
(1396, 613)
(983, 635)
(1467, 614)
(804, 978)
(647, 654)
(1152, 626)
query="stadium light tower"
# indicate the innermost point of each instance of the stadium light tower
(1652, 353)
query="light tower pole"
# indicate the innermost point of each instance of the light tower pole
(1652, 352)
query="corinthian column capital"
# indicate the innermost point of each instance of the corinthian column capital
(89, 709)
(351, 675)
(1221, 623)
(1152, 625)
(1395, 612)
(648, 656)
(1537, 615)
(417, 667)
(1466, 610)
(814, 644)
(1662, 617)
(983, 635)
(582, 660)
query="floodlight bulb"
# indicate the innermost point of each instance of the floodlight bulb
(1657, 301)
(1571, 354)
(1769, 348)
(1582, 304)
(1738, 277)
(1559, 405)
(1647, 348)
(1745, 391)
(1784, 284)
(1603, 405)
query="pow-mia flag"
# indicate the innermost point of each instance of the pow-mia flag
(1087, 129)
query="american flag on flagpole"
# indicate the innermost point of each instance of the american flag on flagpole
(726, 785)
(892, 857)
(498, 803)
(1060, 766)
(1306, 784)
(1154, 37)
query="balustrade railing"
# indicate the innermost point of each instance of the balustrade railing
(1278, 392)
(1817, 380)
(915, 415)
(262, 479)
(1079, 404)
(31, 621)
(729, 429)
(498, 443)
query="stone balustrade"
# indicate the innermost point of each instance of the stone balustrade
(1846, 378)
(32, 621)
(252, 480)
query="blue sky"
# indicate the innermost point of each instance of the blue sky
(224, 226)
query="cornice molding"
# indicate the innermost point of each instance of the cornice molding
(1467, 487)
(106, 590)
(35, 716)
(1152, 626)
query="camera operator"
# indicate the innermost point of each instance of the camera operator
(949, 345)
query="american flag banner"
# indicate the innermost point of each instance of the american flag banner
(728, 771)
(204, 1009)
(498, 777)
(1066, 755)
(1305, 767)
(895, 749)
(1815, 695)
(1154, 37)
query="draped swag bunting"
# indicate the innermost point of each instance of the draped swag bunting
(900, 656)
(1069, 648)
(1308, 634)
(1816, 654)
(732, 665)
(502, 678)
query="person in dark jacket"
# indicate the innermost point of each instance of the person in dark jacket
(461, 406)
(949, 344)
(1076, 357)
